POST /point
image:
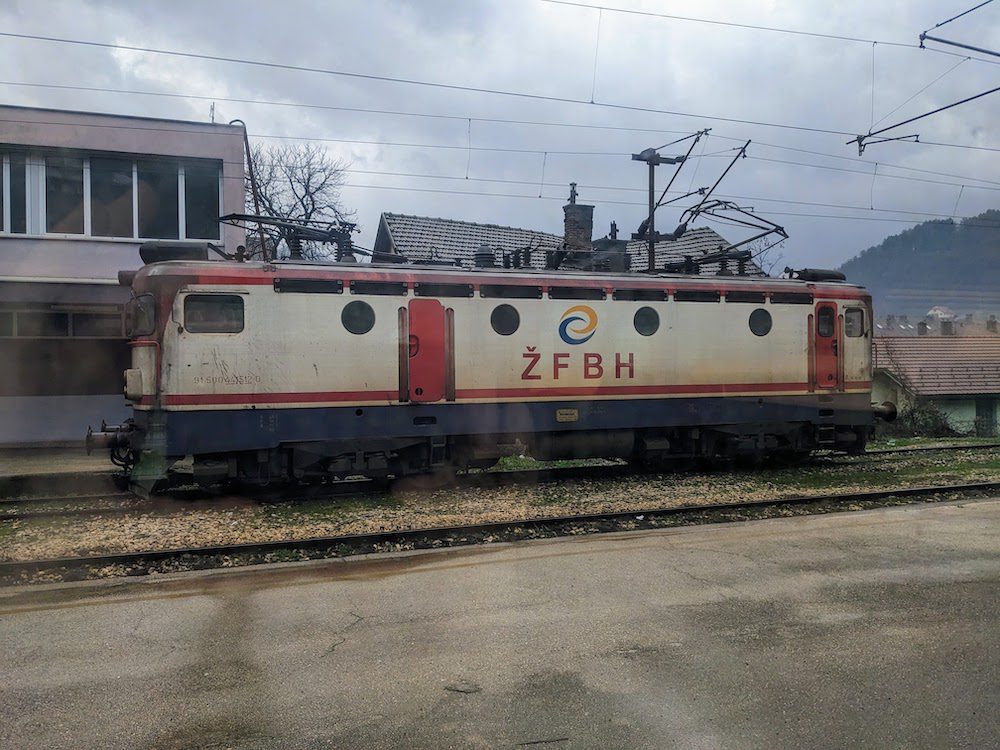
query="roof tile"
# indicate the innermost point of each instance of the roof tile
(426, 238)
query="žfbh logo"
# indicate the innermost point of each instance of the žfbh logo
(578, 324)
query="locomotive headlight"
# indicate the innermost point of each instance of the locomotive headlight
(133, 384)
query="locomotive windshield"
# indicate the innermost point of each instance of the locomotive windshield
(140, 316)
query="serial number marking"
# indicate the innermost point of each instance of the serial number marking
(226, 379)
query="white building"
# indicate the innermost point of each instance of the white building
(80, 193)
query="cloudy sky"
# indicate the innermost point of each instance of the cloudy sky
(414, 157)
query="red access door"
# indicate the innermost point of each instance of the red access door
(827, 336)
(427, 361)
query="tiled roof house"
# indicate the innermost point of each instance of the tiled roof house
(423, 238)
(960, 375)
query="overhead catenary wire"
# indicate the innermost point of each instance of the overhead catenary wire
(411, 81)
(889, 114)
(497, 120)
(965, 222)
(959, 15)
(754, 27)
(630, 189)
(862, 138)
(966, 179)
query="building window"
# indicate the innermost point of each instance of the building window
(42, 324)
(63, 195)
(158, 215)
(106, 195)
(111, 198)
(854, 322)
(201, 202)
(39, 322)
(97, 325)
(18, 194)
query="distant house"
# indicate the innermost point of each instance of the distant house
(422, 238)
(941, 312)
(958, 375)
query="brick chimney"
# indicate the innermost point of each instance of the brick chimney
(578, 224)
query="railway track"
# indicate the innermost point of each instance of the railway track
(101, 505)
(191, 558)
(22, 509)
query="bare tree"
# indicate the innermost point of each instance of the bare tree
(765, 255)
(297, 181)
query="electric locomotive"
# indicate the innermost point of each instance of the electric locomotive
(261, 372)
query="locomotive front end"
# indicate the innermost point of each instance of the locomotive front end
(125, 442)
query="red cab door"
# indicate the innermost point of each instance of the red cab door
(826, 346)
(427, 365)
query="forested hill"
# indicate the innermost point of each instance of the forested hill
(934, 263)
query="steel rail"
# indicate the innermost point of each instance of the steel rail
(554, 526)
(314, 493)
(362, 487)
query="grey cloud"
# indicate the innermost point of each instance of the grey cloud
(548, 49)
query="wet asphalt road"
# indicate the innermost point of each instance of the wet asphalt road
(877, 629)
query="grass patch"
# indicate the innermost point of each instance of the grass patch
(526, 463)
(915, 442)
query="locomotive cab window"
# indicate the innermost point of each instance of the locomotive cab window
(825, 321)
(213, 313)
(140, 316)
(854, 322)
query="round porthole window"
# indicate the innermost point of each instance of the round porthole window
(646, 321)
(505, 320)
(358, 317)
(760, 322)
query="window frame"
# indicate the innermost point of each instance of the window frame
(848, 312)
(36, 213)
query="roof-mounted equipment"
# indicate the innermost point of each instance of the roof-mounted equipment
(815, 274)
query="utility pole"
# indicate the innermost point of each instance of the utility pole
(653, 159)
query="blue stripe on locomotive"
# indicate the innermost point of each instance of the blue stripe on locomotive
(223, 431)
